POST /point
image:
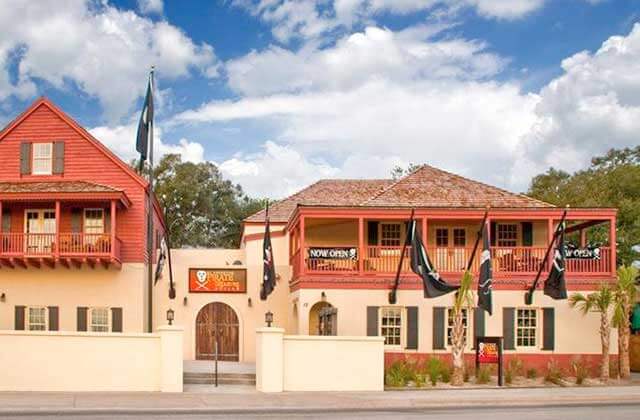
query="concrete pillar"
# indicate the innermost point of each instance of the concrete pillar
(270, 359)
(170, 358)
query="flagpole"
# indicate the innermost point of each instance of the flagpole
(150, 218)
(475, 246)
(392, 293)
(528, 297)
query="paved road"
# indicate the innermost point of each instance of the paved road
(618, 412)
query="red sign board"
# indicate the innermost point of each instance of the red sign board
(207, 280)
(488, 353)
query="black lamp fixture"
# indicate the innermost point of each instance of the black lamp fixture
(268, 318)
(171, 316)
(323, 296)
(249, 302)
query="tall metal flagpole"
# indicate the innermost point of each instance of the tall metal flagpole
(393, 294)
(150, 217)
(478, 237)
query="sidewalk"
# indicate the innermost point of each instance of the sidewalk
(245, 400)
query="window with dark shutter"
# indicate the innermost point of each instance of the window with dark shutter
(58, 157)
(54, 324)
(548, 329)
(508, 328)
(76, 220)
(438, 328)
(372, 233)
(412, 328)
(494, 230)
(6, 220)
(25, 158)
(372, 321)
(116, 320)
(82, 318)
(527, 234)
(19, 318)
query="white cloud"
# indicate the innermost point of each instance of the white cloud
(104, 51)
(151, 6)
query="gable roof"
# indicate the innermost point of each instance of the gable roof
(426, 187)
(43, 101)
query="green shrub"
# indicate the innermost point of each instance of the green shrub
(554, 374)
(580, 370)
(532, 373)
(483, 375)
(434, 370)
(445, 373)
(513, 369)
(399, 373)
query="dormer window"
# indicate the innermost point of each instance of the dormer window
(42, 159)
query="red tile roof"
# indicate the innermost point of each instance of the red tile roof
(427, 187)
(54, 187)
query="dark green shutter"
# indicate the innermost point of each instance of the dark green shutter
(438, 328)
(76, 220)
(82, 318)
(548, 329)
(508, 328)
(478, 324)
(25, 158)
(116, 319)
(58, 157)
(372, 321)
(494, 233)
(107, 220)
(54, 324)
(19, 318)
(6, 220)
(527, 234)
(412, 328)
(372, 233)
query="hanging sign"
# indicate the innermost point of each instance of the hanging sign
(334, 253)
(210, 280)
(588, 253)
(489, 350)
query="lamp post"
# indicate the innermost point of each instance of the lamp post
(170, 316)
(268, 318)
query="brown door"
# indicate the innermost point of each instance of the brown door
(217, 322)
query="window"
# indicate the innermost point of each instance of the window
(507, 235)
(526, 328)
(391, 234)
(37, 318)
(442, 237)
(465, 323)
(94, 221)
(99, 320)
(42, 163)
(459, 237)
(391, 325)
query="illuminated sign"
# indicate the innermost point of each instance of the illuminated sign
(210, 280)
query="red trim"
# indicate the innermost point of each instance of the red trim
(85, 196)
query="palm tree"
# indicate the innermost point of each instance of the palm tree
(463, 300)
(599, 301)
(624, 295)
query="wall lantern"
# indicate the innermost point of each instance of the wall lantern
(323, 296)
(249, 302)
(170, 316)
(184, 301)
(268, 318)
(3, 297)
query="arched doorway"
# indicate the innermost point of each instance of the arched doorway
(217, 322)
(314, 317)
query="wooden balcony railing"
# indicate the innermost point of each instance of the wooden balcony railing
(68, 244)
(505, 261)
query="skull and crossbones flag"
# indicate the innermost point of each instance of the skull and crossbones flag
(555, 286)
(269, 271)
(145, 125)
(485, 280)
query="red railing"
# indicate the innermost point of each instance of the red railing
(505, 261)
(68, 244)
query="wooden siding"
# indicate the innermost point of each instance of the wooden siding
(84, 161)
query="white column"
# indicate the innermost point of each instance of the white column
(170, 358)
(270, 359)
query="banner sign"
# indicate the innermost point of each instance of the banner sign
(333, 253)
(589, 253)
(489, 350)
(210, 280)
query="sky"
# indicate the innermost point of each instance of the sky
(281, 93)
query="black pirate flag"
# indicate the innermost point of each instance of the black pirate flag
(269, 271)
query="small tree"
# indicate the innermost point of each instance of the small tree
(463, 300)
(599, 301)
(624, 295)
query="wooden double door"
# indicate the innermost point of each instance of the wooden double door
(217, 323)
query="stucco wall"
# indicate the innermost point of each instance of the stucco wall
(70, 288)
(59, 361)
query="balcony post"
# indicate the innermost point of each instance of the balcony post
(112, 215)
(612, 245)
(361, 249)
(303, 267)
(1, 223)
(57, 240)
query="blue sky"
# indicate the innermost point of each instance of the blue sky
(280, 93)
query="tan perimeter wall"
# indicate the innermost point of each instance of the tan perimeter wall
(574, 333)
(69, 288)
(59, 361)
(314, 363)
